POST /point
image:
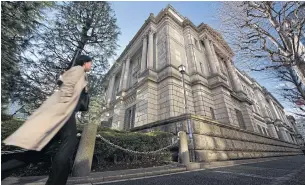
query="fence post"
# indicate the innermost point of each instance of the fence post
(183, 148)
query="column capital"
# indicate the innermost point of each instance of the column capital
(205, 37)
(151, 31)
(112, 76)
(127, 57)
(229, 60)
(144, 37)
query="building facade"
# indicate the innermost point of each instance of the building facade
(144, 86)
(300, 126)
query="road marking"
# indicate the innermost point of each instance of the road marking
(245, 174)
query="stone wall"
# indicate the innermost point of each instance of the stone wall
(215, 141)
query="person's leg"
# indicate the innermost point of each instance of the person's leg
(62, 160)
(12, 162)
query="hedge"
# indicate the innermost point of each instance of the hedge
(105, 155)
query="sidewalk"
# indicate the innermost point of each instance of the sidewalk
(99, 176)
(134, 173)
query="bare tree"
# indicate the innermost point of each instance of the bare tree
(266, 34)
(291, 89)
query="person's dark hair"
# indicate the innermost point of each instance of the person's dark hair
(81, 60)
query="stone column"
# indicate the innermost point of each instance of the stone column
(191, 64)
(235, 79)
(110, 89)
(247, 116)
(217, 63)
(211, 60)
(126, 73)
(272, 130)
(283, 134)
(183, 149)
(260, 103)
(122, 77)
(150, 53)
(144, 54)
(277, 116)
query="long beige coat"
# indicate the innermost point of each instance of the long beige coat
(48, 119)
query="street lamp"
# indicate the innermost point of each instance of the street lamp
(181, 69)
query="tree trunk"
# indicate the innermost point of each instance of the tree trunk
(84, 156)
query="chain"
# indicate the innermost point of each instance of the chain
(137, 152)
(174, 142)
(13, 152)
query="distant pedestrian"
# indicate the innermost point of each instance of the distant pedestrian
(57, 116)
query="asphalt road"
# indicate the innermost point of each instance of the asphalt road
(287, 171)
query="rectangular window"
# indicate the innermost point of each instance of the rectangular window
(240, 119)
(109, 123)
(212, 113)
(115, 88)
(248, 92)
(244, 88)
(260, 129)
(201, 67)
(196, 43)
(258, 109)
(266, 130)
(129, 120)
(202, 45)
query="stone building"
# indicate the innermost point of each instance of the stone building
(298, 128)
(144, 86)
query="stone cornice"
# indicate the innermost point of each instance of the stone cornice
(241, 98)
(155, 20)
(262, 88)
(258, 117)
(217, 36)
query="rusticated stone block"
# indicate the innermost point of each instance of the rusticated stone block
(238, 145)
(248, 146)
(206, 129)
(229, 133)
(220, 144)
(243, 136)
(204, 142)
(229, 144)
(222, 155)
(233, 155)
(240, 155)
(206, 155)
(247, 154)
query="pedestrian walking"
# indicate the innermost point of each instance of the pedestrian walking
(56, 116)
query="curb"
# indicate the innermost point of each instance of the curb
(120, 177)
(218, 164)
(99, 177)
